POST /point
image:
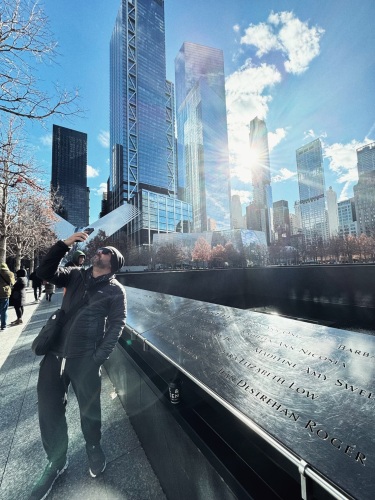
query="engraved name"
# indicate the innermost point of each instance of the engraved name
(356, 351)
(354, 389)
(324, 435)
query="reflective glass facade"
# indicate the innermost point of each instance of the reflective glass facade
(141, 115)
(203, 161)
(261, 177)
(364, 191)
(312, 191)
(348, 225)
(160, 213)
(364, 196)
(366, 158)
(69, 174)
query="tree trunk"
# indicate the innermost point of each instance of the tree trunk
(3, 248)
(17, 263)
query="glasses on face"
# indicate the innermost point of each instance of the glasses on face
(104, 251)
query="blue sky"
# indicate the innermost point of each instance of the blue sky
(306, 67)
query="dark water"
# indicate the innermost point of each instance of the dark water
(351, 318)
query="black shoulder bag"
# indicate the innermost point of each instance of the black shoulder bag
(50, 331)
(42, 342)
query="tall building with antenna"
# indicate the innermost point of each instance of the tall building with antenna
(261, 207)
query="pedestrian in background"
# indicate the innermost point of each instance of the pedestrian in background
(37, 286)
(6, 282)
(49, 289)
(18, 295)
(78, 259)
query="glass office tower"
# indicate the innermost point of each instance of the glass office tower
(69, 174)
(141, 105)
(364, 191)
(312, 191)
(261, 178)
(281, 221)
(366, 158)
(348, 225)
(203, 160)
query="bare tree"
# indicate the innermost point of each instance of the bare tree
(350, 247)
(218, 256)
(233, 256)
(336, 245)
(168, 254)
(25, 40)
(16, 176)
(31, 229)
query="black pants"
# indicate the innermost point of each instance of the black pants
(37, 292)
(19, 310)
(85, 377)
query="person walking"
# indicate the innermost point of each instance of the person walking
(37, 286)
(7, 280)
(76, 356)
(18, 296)
(49, 288)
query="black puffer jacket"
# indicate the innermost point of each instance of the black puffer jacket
(95, 328)
(19, 291)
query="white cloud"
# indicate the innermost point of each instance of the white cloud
(289, 35)
(309, 134)
(100, 190)
(343, 163)
(343, 160)
(103, 138)
(92, 172)
(283, 175)
(274, 138)
(46, 140)
(345, 193)
(261, 36)
(236, 28)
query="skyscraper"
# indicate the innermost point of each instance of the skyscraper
(348, 225)
(366, 158)
(141, 112)
(281, 222)
(312, 191)
(333, 217)
(364, 191)
(69, 174)
(203, 160)
(261, 178)
(238, 220)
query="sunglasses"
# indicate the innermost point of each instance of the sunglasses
(104, 251)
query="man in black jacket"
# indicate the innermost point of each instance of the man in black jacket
(86, 341)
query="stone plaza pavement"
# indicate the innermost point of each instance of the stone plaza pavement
(128, 474)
